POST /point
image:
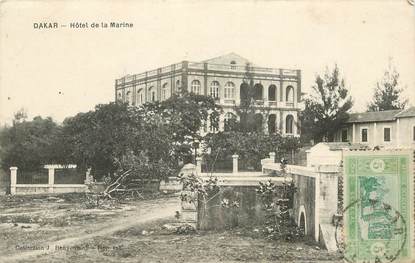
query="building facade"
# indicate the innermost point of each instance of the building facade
(386, 129)
(277, 98)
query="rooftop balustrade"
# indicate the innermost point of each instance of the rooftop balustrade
(213, 67)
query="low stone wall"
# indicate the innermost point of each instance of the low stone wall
(51, 187)
(22, 189)
(173, 184)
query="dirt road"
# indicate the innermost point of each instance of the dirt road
(142, 212)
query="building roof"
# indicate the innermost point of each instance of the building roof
(377, 116)
(373, 116)
(227, 58)
(410, 112)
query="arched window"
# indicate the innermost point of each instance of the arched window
(272, 93)
(290, 94)
(119, 96)
(258, 88)
(229, 90)
(289, 123)
(140, 97)
(214, 89)
(233, 63)
(229, 119)
(178, 85)
(151, 94)
(244, 92)
(127, 97)
(272, 118)
(164, 92)
(195, 87)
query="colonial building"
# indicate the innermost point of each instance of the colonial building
(277, 92)
(388, 129)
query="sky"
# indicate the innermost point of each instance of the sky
(60, 72)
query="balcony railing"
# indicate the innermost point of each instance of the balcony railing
(196, 65)
(272, 103)
(229, 101)
(289, 104)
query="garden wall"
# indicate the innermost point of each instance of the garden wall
(236, 204)
(44, 181)
(242, 208)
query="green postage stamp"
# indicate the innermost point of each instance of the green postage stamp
(379, 209)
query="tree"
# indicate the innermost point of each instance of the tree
(97, 138)
(248, 110)
(388, 92)
(110, 137)
(326, 109)
(251, 147)
(29, 144)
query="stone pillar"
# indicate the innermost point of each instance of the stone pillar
(13, 180)
(272, 156)
(198, 165)
(89, 178)
(51, 181)
(397, 133)
(235, 163)
(354, 133)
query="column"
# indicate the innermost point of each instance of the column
(235, 163)
(397, 133)
(354, 133)
(272, 156)
(317, 208)
(13, 180)
(198, 165)
(374, 134)
(51, 181)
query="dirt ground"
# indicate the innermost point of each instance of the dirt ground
(61, 229)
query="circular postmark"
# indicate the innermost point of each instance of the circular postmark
(380, 233)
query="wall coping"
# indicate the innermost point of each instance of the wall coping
(48, 185)
(247, 180)
(310, 171)
(59, 166)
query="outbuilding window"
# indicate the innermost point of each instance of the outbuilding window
(344, 135)
(364, 135)
(386, 134)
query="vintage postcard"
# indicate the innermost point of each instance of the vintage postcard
(207, 131)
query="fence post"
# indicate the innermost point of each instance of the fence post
(235, 163)
(51, 180)
(272, 156)
(13, 180)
